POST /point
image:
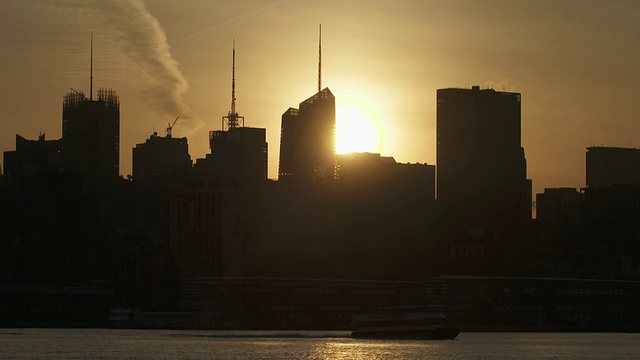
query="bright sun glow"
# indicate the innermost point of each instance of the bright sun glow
(357, 129)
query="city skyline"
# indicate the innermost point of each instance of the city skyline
(572, 61)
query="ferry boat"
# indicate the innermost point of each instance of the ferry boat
(412, 324)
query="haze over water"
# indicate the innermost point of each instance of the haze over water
(175, 344)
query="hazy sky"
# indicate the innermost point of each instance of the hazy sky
(576, 63)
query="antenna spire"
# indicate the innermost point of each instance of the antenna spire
(233, 78)
(91, 70)
(232, 117)
(320, 59)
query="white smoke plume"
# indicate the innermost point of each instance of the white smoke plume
(132, 31)
(141, 37)
(500, 84)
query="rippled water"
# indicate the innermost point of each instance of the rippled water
(245, 345)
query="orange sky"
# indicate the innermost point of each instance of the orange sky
(576, 64)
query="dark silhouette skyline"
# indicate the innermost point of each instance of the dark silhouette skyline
(144, 239)
(354, 224)
(33, 162)
(579, 87)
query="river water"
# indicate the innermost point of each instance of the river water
(246, 345)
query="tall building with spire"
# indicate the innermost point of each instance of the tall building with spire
(307, 138)
(91, 133)
(307, 141)
(238, 153)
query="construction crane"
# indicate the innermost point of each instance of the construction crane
(79, 93)
(170, 127)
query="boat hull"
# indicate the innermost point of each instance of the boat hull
(442, 333)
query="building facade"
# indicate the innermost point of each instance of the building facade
(203, 226)
(608, 166)
(307, 141)
(159, 156)
(239, 154)
(30, 160)
(482, 185)
(91, 136)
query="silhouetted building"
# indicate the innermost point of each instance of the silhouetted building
(193, 227)
(30, 159)
(560, 209)
(45, 237)
(159, 156)
(399, 183)
(307, 140)
(482, 181)
(4, 182)
(612, 166)
(91, 136)
(612, 210)
(611, 214)
(385, 204)
(558, 244)
(356, 167)
(203, 225)
(238, 154)
(375, 222)
(289, 142)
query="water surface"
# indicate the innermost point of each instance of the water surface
(244, 345)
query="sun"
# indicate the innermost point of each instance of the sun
(357, 129)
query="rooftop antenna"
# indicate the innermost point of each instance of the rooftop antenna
(320, 59)
(91, 70)
(232, 117)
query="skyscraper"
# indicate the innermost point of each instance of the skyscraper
(607, 166)
(308, 135)
(307, 143)
(91, 136)
(238, 153)
(32, 159)
(159, 156)
(204, 225)
(481, 167)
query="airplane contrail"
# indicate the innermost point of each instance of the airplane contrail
(238, 18)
